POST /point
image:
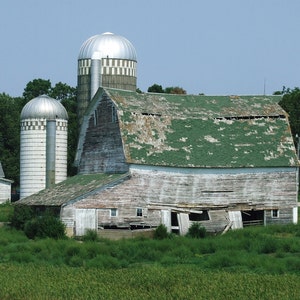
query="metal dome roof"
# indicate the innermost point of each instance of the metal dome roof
(107, 45)
(44, 107)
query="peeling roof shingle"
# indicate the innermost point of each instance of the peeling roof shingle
(204, 131)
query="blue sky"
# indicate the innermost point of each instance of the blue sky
(214, 47)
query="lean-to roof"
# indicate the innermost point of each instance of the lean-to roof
(72, 189)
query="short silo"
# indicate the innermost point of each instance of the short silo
(43, 155)
(107, 60)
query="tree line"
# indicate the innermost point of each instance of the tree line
(11, 107)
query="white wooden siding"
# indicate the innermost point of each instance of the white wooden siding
(85, 219)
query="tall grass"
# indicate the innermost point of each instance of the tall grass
(264, 250)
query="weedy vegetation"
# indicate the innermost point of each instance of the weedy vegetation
(6, 211)
(253, 263)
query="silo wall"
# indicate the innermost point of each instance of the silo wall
(33, 155)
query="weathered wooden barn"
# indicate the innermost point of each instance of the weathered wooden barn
(146, 159)
(5, 187)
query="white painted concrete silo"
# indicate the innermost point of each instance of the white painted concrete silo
(43, 155)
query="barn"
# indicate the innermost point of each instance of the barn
(5, 187)
(144, 159)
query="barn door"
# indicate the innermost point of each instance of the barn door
(85, 219)
(166, 218)
(236, 218)
(184, 223)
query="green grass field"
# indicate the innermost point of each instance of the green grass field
(253, 263)
(143, 282)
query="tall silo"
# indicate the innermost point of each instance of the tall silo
(43, 155)
(106, 60)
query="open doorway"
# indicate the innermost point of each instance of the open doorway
(174, 222)
(253, 217)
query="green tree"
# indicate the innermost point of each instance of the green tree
(10, 110)
(68, 97)
(62, 91)
(175, 90)
(155, 88)
(290, 102)
(35, 88)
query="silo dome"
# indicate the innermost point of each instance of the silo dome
(107, 45)
(105, 60)
(44, 107)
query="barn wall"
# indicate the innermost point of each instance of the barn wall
(162, 191)
(285, 216)
(5, 191)
(67, 216)
(117, 234)
(102, 148)
(231, 188)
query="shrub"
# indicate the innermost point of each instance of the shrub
(161, 232)
(90, 236)
(20, 216)
(45, 226)
(197, 231)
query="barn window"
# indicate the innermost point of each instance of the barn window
(113, 212)
(114, 117)
(95, 117)
(199, 216)
(139, 212)
(275, 213)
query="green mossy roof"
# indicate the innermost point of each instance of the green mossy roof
(204, 131)
(71, 189)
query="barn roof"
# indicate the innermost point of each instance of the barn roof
(2, 176)
(203, 131)
(73, 189)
